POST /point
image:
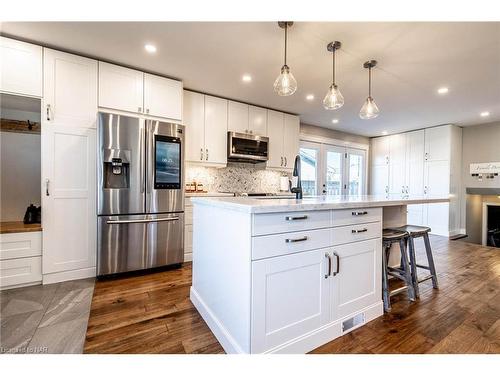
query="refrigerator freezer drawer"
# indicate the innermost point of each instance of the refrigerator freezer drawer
(137, 242)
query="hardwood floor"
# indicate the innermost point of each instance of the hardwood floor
(153, 313)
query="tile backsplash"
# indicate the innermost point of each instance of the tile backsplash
(237, 177)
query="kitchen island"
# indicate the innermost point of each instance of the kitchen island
(286, 276)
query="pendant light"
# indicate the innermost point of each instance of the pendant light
(285, 84)
(333, 98)
(369, 109)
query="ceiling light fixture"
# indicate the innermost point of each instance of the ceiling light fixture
(310, 97)
(335, 121)
(384, 132)
(369, 109)
(443, 90)
(484, 114)
(150, 48)
(246, 78)
(285, 84)
(333, 98)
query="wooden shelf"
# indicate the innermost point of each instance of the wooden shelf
(18, 227)
(16, 126)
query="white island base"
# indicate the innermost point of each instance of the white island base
(271, 281)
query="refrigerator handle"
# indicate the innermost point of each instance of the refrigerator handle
(142, 160)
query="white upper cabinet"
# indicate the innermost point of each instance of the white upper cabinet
(194, 122)
(162, 97)
(215, 130)
(291, 140)
(275, 123)
(438, 143)
(20, 67)
(237, 117)
(120, 88)
(380, 151)
(70, 89)
(257, 120)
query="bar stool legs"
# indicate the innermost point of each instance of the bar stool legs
(430, 260)
(385, 283)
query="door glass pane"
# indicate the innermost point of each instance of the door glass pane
(355, 184)
(308, 170)
(333, 173)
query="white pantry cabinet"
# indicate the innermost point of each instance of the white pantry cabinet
(205, 119)
(162, 97)
(291, 139)
(20, 67)
(121, 88)
(283, 132)
(68, 200)
(70, 90)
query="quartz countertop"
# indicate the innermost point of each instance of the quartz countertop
(268, 204)
(18, 227)
(209, 194)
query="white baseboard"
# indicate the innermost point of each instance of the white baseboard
(20, 285)
(188, 257)
(57, 277)
(299, 345)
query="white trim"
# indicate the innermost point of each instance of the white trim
(484, 224)
(20, 285)
(57, 277)
(137, 115)
(223, 336)
(333, 141)
(188, 257)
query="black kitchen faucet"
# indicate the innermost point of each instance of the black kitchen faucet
(296, 173)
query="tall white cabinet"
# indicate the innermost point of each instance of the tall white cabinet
(68, 166)
(423, 162)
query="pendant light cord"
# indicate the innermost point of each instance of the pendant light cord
(370, 82)
(286, 29)
(333, 66)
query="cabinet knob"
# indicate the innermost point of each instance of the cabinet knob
(147, 110)
(139, 109)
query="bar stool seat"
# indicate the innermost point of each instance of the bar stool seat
(415, 231)
(389, 237)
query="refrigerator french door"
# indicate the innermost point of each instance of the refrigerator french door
(140, 194)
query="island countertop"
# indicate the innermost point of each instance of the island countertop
(311, 203)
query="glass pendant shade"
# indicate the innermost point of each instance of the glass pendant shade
(285, 84)
(333, 98)
(369, 109)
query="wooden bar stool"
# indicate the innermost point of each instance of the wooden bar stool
(390, 236)
(415, 231)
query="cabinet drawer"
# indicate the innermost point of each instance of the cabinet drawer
(20, 245)
(20, 271)
(356, 215)
(356, 232)
(288, 243)
(188, 214)
(283, 222)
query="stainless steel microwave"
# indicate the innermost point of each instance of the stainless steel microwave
(247, 148)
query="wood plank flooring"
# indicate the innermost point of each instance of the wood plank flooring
(153, 314)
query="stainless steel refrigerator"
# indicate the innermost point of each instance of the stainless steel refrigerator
(140, 194)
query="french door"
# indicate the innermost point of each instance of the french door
(332, 170)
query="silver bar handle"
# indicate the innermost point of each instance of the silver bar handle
(47, 181)
(141, 161)
(286, 162)
(48, 112)
(329, 273)
(359, 230)
(142, 221)
(292, 240)
(337, 268)
(206, 156)
(359, 213)
(201, 154)
(292, 218)
(282, 161)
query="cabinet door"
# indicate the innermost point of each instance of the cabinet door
(358, 283)
(275, 124)
(290, 297)
(120, 88)
(194, 122)
(70, 90)
(291, 140)
(415, 162)
(437, 178)
(415, 214)
(397, 163)
(380, 151)
(215, 130)
(237, 117)
(20, 67)
(436, 217)
(162, 97)
(379, 180)
(438, 143)
(68, 198)
(257, 120)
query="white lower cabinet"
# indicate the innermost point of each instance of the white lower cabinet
(290, 298)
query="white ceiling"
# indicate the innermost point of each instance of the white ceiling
(414, 60)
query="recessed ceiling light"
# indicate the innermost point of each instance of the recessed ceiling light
(335, 121)
(443, 90)
(150, 48)
(384, 132)
(310, 97)
(246, 78)
(485, 114)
